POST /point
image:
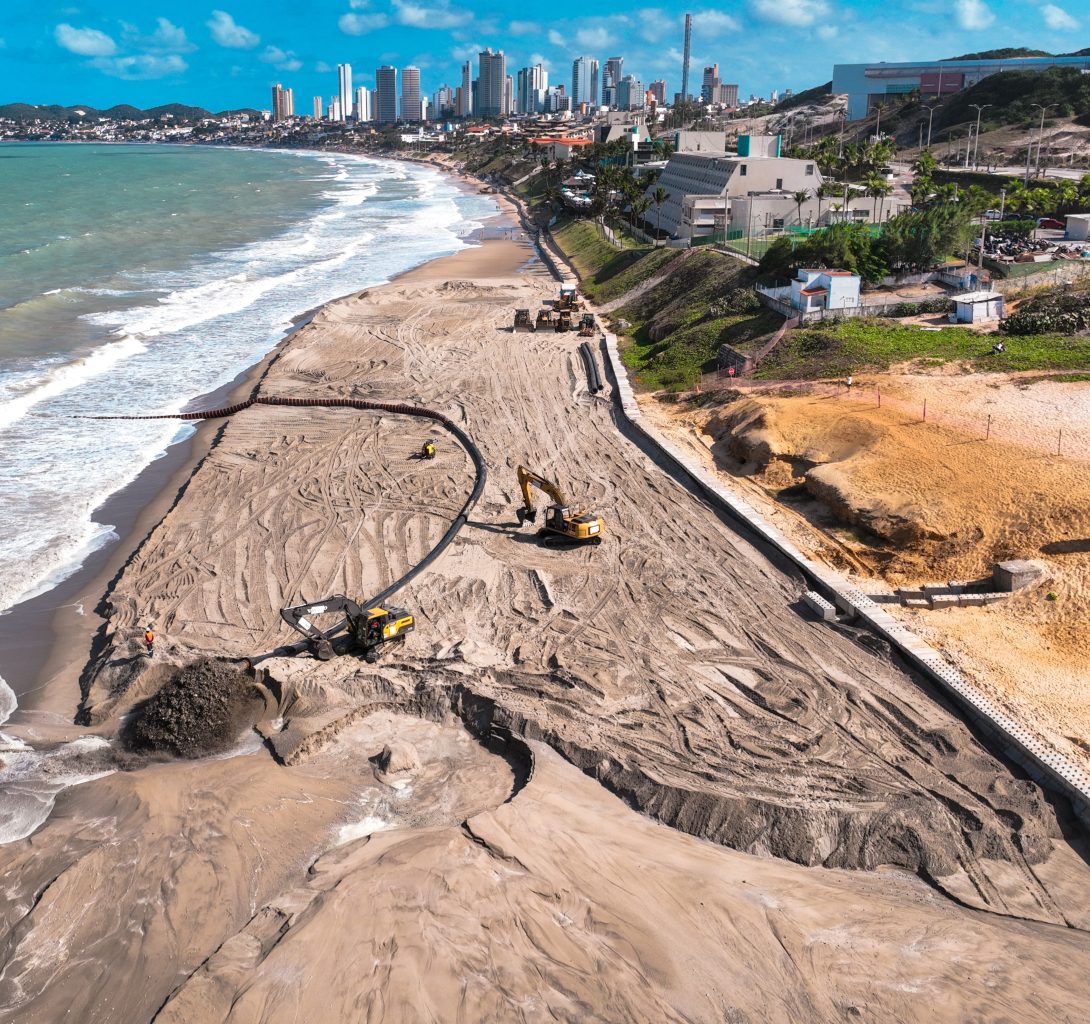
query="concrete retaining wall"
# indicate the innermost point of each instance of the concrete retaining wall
(1045, 764)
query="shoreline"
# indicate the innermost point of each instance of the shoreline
(49, 639)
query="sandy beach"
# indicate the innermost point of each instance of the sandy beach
(629, 782)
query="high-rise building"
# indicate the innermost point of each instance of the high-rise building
(410, 93)
(658, 89)
(317, 108)
(283, 103)
(491, 82)
(728, 95)
(630, 93)
(361, 111)
(465, 104)
(611, 76)
(530, 91)
(584, 81)
(344, 90)
(385, 109)
(685, 58)
(557, 100)
(508, 96)
(443, 102)
(335, 112)
(710, 86)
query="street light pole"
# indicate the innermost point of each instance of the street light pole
(979, 107)
(930, 114)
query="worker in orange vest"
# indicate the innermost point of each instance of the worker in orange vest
(149, 640)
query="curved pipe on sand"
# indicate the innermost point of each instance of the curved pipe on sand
(398, 408)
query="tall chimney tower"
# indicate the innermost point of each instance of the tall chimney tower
(685, 62)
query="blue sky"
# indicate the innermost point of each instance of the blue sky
(159, 51)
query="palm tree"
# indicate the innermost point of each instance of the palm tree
(800, 197)
(878, 188)
(640, 205)
(658, 197)
(820, 193)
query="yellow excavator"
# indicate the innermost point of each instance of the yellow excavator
(561, 521)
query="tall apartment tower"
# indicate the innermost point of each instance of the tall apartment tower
(317, 108)
(465, 105)
(658, 90)
(344, 89)
(709, 87)
(685, 58)
(283, 103)
(584, 81)
(630, 93)
(530, 90)
(491, 82)
(361, 111)
(611, 76)
(385, 111)
(410, 93)
(508, 96)
(335, 112)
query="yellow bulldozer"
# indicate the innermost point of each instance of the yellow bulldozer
(561, 522)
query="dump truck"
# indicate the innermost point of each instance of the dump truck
(523, 321)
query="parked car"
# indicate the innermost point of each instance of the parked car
(1051, 223)
(992, 215)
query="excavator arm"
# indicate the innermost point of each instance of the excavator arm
(299, 618)
(528, 480)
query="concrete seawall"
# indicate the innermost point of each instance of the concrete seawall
(1041, 761)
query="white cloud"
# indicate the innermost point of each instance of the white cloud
(827, 32)
(973, 14)
(141, 67)
(169, 37)
(323, 68)
(594, 38)
(794, 12)
(557, 38)
(359, 5)
(361, 24)
(524, 28)
(441, 16)
(282, 60)
(87, 42)
(655, 26)
(468, 51)
(715, 22)
(537, 58)
(1057, 18)
(227, 32)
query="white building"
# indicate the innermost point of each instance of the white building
(976, 307)
(317, 108)
(530, 91)
(631, 94)
(825, 289)
(410, 93)
(1078, 227)
(361, 111)
(584, 81)
(344, 90)
(465, 92)
(491, 83)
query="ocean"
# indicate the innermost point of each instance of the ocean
(136, 278)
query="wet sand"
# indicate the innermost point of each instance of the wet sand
(869, 857)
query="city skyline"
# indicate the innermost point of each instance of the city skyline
(230, 57)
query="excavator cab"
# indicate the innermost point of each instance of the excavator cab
(379, 626)
(427, 450)
(370, 629)
(561, 522)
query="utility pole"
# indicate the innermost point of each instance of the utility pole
(1040, 139)
(968, 144)
(930, 114)
(979, 107)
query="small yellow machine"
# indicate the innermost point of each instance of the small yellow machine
(569, 298)
(545, 321)
(563, 320)
(561, 521)
(427, 450)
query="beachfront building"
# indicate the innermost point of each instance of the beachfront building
(283, 103)
(584, 81)
(868, 84)
(464, 95)
(344, 90)
(361, 110)
(812, 290)
(611, 78)
(385, 109)
(491, 83)
(317, 108)
(410, 93)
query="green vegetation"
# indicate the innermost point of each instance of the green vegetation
(837, 348)
(818, 94)
(1012, 95)
(1051, 312)
(607, 272)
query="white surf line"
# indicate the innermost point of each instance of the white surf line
(1039, 758)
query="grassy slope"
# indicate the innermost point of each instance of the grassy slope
(853, 346)
(606, 272)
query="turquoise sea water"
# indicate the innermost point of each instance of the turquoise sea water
(135, 278)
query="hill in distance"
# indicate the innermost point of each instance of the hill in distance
(122, 111)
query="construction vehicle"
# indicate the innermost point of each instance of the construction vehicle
(587, 326)
(427, 450)
(544, 321)
(523, 321)
(369, 629)
(561, 521)
(563, 320)
(569, 298)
